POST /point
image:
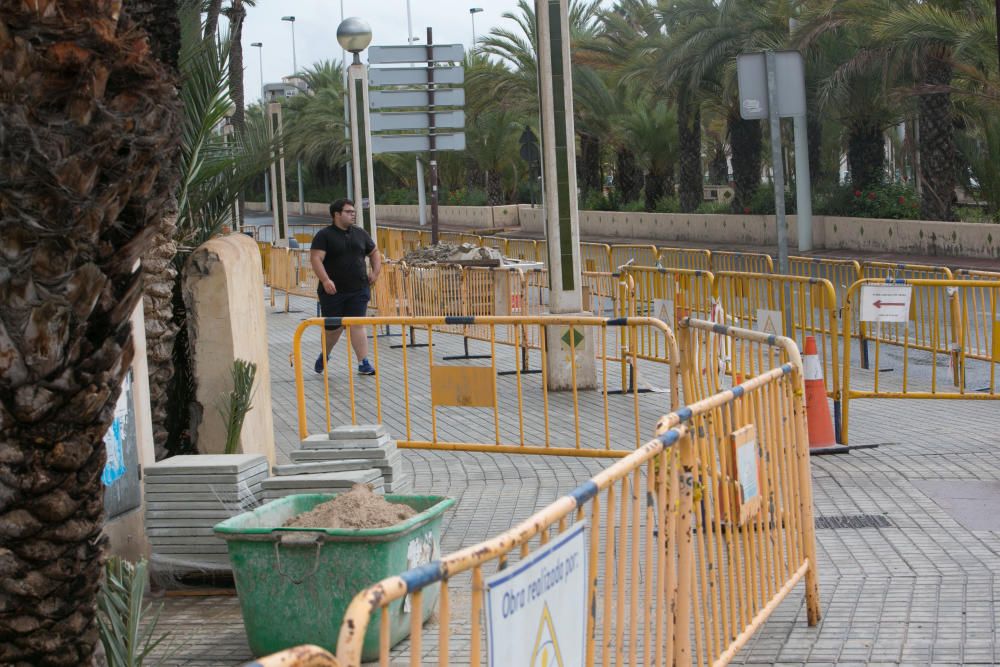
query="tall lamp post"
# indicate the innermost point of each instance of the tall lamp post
(260, 59)
(355, 35)
(298, 164)
(472, 13)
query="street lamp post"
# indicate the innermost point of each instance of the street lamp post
(355, 35)
(298, 164)
(260, 53)
(472, 13)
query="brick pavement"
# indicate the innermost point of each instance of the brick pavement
(920, 590)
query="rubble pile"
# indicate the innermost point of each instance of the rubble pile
(448, 252)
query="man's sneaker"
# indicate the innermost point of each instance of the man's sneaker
(366, 368)
(318, 366)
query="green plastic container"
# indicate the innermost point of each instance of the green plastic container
(295, 584)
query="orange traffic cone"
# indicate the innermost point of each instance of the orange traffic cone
(821, 435)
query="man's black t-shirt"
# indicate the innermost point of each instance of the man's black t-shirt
(345, 256)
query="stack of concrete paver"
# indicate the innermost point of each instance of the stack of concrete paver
(187, 495)
(333, 462)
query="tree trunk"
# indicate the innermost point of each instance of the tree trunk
(236, 16)
(212, 17)
(937, 143)
(718, 169)
(627, 175)
(89, 121)
(589, 163)
(865, 155)
(494, 188)
(814, 135)
(689, 142)
(159, 19)
(654, 187)
(745, 140)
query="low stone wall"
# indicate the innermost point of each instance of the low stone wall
(947, 239)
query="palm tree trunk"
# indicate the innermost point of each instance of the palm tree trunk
(745, 140)
(236, 16)
(212, 17)
(589, 163)
(626, 175)
(865, 154)
(689, 142)
(937, 143)
(494, 188)
(85, 184)
(654, 188)
(814, 135)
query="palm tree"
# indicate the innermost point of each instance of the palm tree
(492, 143)
(650, 131)
(935, 37)
(89, 120)
(856, 73)
(314, 123)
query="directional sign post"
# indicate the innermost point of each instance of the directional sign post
(420, 101)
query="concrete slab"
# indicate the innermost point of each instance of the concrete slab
(199, 506)
(303, 455)
(206, 480)
(339, 465)
(182, 531)
(206, 463)
(359, 432)
(156, 517)
(321, 441)
(331, 480)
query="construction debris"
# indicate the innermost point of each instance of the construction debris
(449, 253)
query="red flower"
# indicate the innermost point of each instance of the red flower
(871, 196)
(902, 200)
(857, 193)
(913, 205)
(746, 210)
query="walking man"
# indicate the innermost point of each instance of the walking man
(338, 256)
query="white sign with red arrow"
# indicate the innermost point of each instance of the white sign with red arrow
(885, 303)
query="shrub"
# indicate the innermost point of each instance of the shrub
(893, 200)
(668, 205)
(596, 200)
(399, 196)
(463, 197)
(711, 207)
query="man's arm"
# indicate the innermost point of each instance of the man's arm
(375, 257)
(316, 259)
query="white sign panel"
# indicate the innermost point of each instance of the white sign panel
(416, 120)
(405, 99)
(769, 321)
(663, 309)
(416, 143)
(413, 76)
(536, 611)
(751, 76)
(383, 55)
(885, 303)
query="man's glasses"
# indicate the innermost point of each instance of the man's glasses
(349, 211)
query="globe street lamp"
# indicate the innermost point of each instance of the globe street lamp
(472, 13)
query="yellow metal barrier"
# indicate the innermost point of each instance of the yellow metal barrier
(955, 323)
(435, 405)
(633, 255)
(691, 541)
(596, 257)
(523, 249)
(686, 258)
(265, 260)
(771, 303)
(842, 273)
(741, 262)
(496, 242)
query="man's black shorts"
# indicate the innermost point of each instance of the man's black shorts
(344, 304)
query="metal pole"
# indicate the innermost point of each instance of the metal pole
(298, 162)
(263, 104)
(349, 189)
(778, 180)
(409, 24)
(433, 138)
(421, 196)
(803, 185)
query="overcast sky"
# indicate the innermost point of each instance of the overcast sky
(316, 29)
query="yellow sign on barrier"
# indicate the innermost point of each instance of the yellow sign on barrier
(463, 386)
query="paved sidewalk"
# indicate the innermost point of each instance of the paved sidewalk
(918, 587)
